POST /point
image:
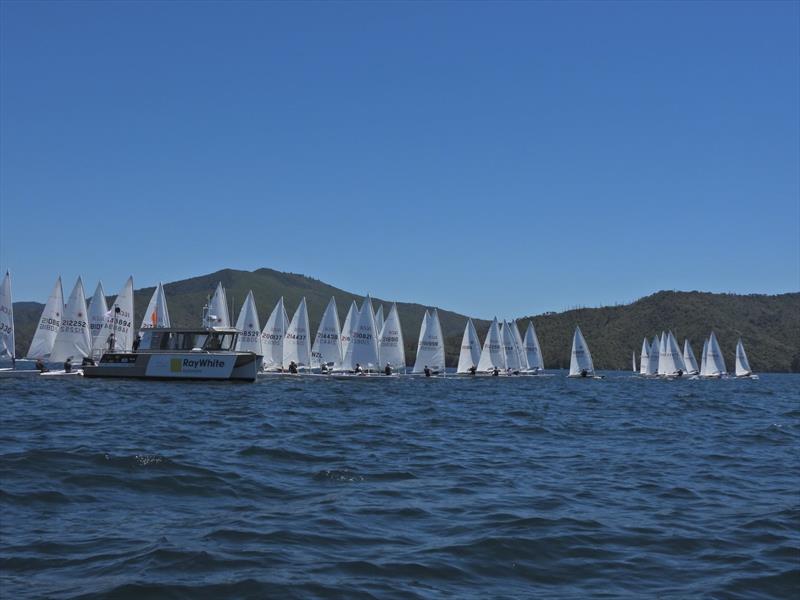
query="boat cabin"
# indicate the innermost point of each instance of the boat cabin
(169, 339)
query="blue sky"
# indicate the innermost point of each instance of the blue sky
(497, 158)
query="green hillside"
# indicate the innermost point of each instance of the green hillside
(769, 325)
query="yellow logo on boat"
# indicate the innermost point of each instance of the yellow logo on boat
(175, 365)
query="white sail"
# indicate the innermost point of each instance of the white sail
(533, 351)
(430, 348)
(297, 342)
(6, 319)
(363, 347)
(379, 320)
(249, 339)
(349, 327)
(634, 369)
(715, 362)
(670, 362)
(218, 309)
(156, 314)
(509, 347)
(119, 322)
(74, 339)
(688, 358)
(49, 324)
(742, 364)
(492, 355)
(663, 367)
(704, 359)
(644, 359)
(470, 354)
(653, 357)
(391, 348)
(581, 358)
(519, 346)
(327, 349)
(272, 337)
(97, 311)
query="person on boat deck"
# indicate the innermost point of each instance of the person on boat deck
(358, 368)
(136, 342)
(495, 372)
(87, 361)
(584, 373)
(679, 373)
(472, 370)
(387, 370)
(40, 366)
(427, 371)
(293, 367)
(111, 342)
(323, 368)
(68, 365)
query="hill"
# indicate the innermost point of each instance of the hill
(770, 325)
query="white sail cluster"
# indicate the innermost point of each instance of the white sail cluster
(663, 358)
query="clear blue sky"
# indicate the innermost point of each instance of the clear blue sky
(498, 158)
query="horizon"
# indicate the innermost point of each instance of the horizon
(491, 159)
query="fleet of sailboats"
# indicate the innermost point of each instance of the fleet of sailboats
(366, 343)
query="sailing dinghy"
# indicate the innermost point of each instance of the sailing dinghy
(49, 324)
(272, 338)
(580, 364)
(7, 349)
(470, 354)
(391, 348)
(327, 348)
(743, 369)
(688, 358)
(430, 348)
(74, 340)
(533, 351)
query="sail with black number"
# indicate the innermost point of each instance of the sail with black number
(297, 342)
(74, 339)
(580, 364)
(349, 327)
(327, 348)
(362, 351)
(156, 314)
(49, 323)
(118, 322)
(272, 337)
(249, 338)
(470, 354)
(97, 311)
(430, 348)
(492, 355)
(7, 349)
(391, 348)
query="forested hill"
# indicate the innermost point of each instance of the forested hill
(769, 325)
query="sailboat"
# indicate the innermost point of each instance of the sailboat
(350, 325)
(97, 311)
(532, 349)
(7, 349)
(653, 358)
(327, 348)
(688, 358)
(743, 369)
(670, 363)
(362, 351)
(49, 324)
(156, 314)
(272, 338)
(470, 353)
(249, 338)
(644, 358)
(297, 341)
(509, 348)
(217, 314)
(704, 358)
(391, 348)
(715, 362)
(74, 339)
(580, 364)
(430, 348)
(518, 347)
(492, 355)
(118, 322)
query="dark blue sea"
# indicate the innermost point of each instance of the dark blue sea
(404, 488)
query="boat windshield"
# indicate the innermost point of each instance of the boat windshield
(173, 340)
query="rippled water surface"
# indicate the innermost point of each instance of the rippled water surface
(405, 488)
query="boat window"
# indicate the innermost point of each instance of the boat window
(228, 341)
(199, 340)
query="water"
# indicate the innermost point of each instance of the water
(309, 488)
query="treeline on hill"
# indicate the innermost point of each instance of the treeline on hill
(769, 325)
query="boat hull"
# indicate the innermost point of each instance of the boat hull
(178, 366)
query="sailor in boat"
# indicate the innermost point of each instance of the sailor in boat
(136, 342)
(40, 366)
(495, 372)
(110, 342)
(323, 368)
(387, 370)
(293, 368)
(584, 373)
(68, 365)
(358, 369)
(472, 370)
(679, 373)
(427, 371)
